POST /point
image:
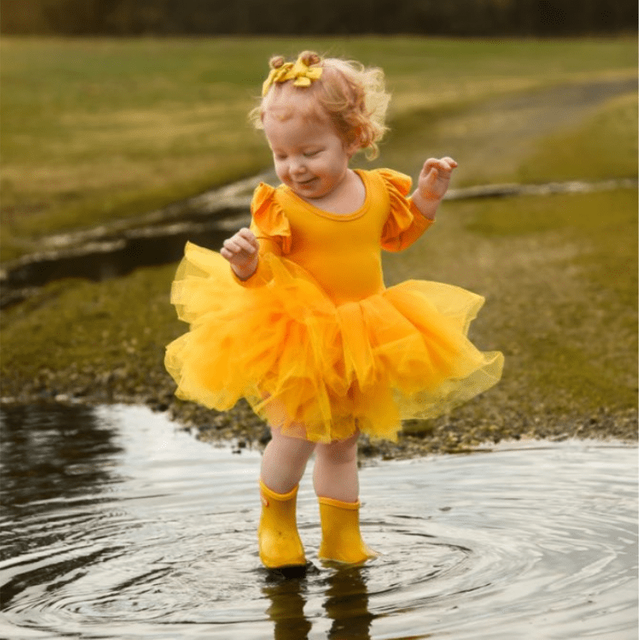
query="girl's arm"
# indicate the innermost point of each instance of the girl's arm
(241, 250)
(432, 185)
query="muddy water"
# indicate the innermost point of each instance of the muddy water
(116, 525)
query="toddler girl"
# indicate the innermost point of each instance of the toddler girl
(301, 324)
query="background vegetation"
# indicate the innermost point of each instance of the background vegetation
(244, 17)
(95, 130)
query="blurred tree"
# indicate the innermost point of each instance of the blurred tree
(427, 17)
(23, 16)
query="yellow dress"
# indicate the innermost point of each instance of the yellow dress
(314, 340)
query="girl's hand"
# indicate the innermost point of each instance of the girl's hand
(241, 250)
(434, 178)
(432, 185)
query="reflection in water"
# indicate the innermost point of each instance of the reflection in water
(345, 603)
(288, 598)
(115, 524)
(52, 451)
(52, 456)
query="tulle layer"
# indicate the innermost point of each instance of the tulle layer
(318, 370)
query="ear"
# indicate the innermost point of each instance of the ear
(351, 148)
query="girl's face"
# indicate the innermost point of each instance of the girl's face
(309, 155)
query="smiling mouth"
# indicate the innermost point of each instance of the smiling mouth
(305, 183)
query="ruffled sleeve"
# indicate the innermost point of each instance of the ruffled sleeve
(405, 223)
(269, 220)
(271, 226)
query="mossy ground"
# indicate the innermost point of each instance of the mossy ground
(99, 129)
(559, 274)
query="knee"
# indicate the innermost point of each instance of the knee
(289, 446)
(339, 452)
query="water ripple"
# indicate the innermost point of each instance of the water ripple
(152, 535)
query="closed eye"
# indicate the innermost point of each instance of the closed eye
(311, 154)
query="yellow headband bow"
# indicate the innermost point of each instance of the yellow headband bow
(300, 72)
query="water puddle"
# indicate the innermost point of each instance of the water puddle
(117, 525)
(158, 238)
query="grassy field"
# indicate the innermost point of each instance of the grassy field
(94, 130)
(129, 125)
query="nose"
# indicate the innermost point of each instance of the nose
(297, 166)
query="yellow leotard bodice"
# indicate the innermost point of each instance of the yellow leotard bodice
(341, 251)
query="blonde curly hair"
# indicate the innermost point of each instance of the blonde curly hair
(352, 95)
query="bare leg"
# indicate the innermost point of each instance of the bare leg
(284, 461)
(335, 474)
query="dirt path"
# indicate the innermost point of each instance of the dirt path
(492, 137)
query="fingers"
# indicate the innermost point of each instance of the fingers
(445, 164)
(434, 177)
(241, 244)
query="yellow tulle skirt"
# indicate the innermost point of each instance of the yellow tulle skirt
(317, 370)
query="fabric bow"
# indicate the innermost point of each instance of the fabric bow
(300, 72)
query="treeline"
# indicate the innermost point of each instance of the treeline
(280, 17)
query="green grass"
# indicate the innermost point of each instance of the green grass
(604, 147)
(577, 338)
(585, 216)
(94, 130)
(76, 325)
(582, 349)
(559, 272)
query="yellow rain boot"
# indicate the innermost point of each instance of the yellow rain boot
(341, 540)
(278, 540)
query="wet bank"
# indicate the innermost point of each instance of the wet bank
(116, 249)
(567, 329)
(481, 425)
(158, 238)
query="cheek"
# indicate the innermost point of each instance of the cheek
(281, 168)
